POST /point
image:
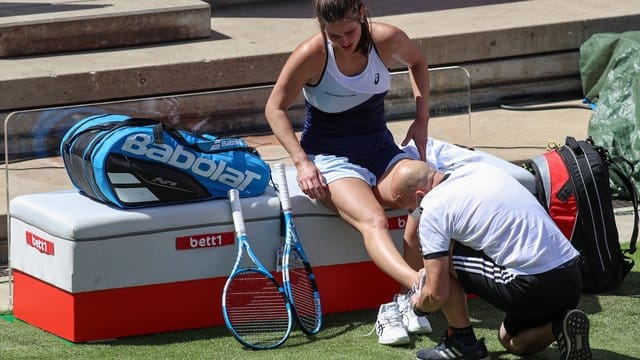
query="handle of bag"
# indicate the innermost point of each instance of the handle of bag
(161, 127)
(634, 200)
(573, 144)
(158, 134)
(204, 147)
(158, 129)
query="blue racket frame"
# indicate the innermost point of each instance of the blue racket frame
(292, 243)
(238, 269)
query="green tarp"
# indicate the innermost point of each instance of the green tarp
(610, 72)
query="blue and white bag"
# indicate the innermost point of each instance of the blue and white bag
(135, 162)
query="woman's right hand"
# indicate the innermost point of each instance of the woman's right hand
(311, 181)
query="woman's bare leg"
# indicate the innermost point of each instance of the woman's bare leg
(355, 202)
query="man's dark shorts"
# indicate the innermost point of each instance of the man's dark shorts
(528, 300)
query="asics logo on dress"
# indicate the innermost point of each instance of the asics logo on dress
(178, 157)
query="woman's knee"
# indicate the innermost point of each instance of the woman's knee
(371, 218)
(376, 220)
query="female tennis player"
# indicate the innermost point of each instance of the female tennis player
(346, 151)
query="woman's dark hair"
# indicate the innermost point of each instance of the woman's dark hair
(328, 11)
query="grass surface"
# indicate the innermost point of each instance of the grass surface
(614, 335)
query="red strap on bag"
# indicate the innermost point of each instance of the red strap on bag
(562, 202)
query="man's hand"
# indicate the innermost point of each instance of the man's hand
(415, 306)
(419, 282)
(416, 290)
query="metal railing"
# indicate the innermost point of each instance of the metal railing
(32, 137)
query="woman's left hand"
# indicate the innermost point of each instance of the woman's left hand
(418, 132)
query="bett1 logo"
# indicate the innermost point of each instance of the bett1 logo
(397, 222)
(40, 244)
(204, 241)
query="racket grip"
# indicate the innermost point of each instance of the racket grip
(283, 187)
(236, 211)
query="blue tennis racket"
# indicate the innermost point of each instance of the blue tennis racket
(256, 309)
(297, 275)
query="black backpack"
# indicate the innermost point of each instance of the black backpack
(573, 185)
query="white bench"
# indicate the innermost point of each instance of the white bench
(86, 271)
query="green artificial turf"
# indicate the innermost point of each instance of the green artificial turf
(614, 317)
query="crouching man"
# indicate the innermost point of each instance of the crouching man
(481, 232)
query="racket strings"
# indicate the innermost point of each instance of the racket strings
(302, 292)
(256, 309)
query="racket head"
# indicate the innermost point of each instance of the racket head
(256, 309)
(299, 282)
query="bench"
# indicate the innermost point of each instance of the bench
(86, 271)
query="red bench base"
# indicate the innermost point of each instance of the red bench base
(116, 313)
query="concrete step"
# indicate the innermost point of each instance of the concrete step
(503, 43)
(220, 4)
(33, 28)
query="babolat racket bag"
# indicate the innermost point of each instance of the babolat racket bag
(135, 162)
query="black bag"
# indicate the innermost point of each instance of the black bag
(133, 162)
(573, 185)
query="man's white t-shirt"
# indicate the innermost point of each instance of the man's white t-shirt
(486, 209)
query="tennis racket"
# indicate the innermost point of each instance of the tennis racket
(255, 307)
(297, 276)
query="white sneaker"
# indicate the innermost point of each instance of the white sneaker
(389, 326)
(413, 323)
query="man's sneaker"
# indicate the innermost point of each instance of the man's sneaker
(413, 323)
(389, 326)
(573, 337)
(450, 348)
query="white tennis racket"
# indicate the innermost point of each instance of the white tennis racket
(256, 309)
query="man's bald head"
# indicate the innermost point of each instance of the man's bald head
(409, 177)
